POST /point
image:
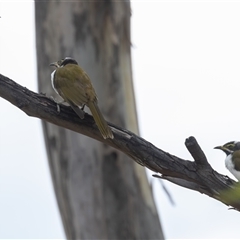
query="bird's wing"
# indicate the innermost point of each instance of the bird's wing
(75, 85)
(85, 84)
(71, 91)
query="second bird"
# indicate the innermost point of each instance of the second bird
(72, 83)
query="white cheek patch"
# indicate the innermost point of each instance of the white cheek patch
(52, 79)
(230, 166)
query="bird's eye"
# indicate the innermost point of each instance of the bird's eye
(60, 62)
(230, 146)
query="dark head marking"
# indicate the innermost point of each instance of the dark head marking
(229, 147)
(232, 146)
(67, 60)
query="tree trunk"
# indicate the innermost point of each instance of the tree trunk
(101, 193)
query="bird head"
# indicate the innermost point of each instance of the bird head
(64, 62)
(229, 147)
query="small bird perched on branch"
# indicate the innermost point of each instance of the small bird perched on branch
(74, 85)
(232, 161)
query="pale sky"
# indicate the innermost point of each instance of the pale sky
(186, 69)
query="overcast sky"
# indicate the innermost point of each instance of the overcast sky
(186, 69)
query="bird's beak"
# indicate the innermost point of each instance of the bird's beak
(54, 64)
(219, 147)
(224, 149)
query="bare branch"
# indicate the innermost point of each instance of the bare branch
(197, 175)
(196, 152)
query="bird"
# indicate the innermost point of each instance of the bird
(232, 161)
(73, 84)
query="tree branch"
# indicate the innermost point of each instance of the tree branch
(197, 175)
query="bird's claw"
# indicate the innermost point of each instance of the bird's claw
(58, 103)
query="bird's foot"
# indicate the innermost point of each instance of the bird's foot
(83, 106)
(58, 103)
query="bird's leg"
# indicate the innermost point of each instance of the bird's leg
(57, 102)
(83, 106)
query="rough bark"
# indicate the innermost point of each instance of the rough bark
(100, 193)
(197, 175)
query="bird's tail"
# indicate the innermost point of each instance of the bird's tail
(100, 121)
